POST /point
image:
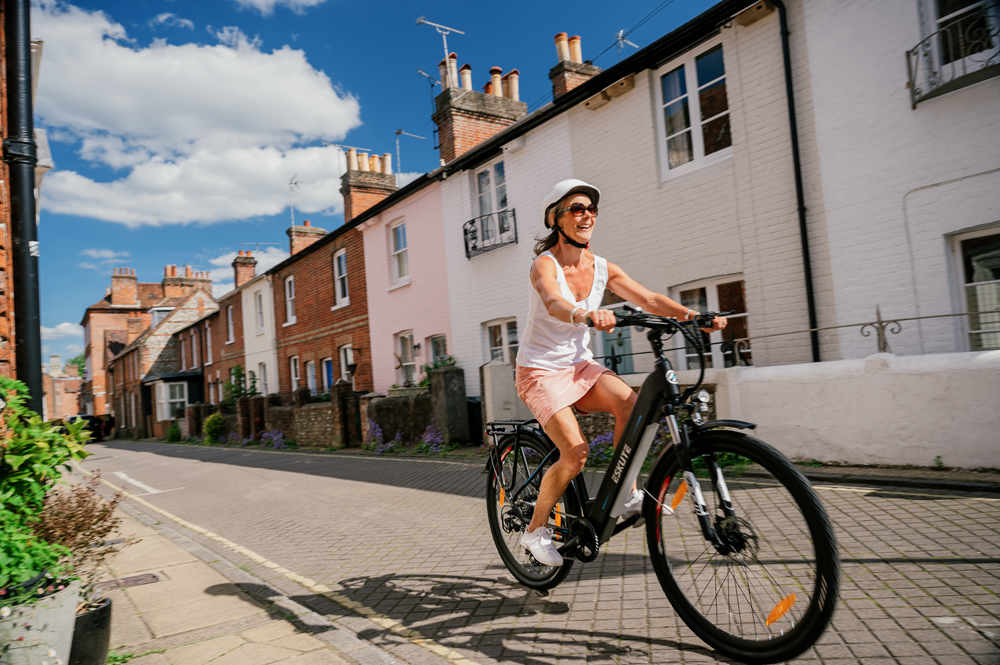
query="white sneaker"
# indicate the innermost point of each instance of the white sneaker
(539, 544)
(633, 506)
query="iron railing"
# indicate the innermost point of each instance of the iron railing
(738, 351)
(963, 51)
(488, 232)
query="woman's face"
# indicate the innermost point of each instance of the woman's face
(579, 227)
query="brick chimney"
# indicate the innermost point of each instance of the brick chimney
(300, 237)
(466, 117)
(124, 287)
(367, 181)
(570, 70)
(175, 285)
(244, 268)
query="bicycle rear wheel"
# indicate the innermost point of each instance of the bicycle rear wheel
(768, 592)
(510, 501)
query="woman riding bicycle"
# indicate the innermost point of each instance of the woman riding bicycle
(556, 371)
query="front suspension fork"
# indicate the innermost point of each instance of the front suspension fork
(683, 446)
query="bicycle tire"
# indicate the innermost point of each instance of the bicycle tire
(527, 453)
(765, 594)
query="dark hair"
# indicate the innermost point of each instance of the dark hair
(546, 242)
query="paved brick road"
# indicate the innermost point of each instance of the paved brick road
(409, 540)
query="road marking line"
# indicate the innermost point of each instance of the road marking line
(143, 486)
(385, 622)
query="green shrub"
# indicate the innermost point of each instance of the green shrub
(174, 433)
(33, 455)
(215, 428)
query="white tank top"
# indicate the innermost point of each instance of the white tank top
(549, 343)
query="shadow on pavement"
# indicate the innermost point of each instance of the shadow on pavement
(269, 599)
(463, 613)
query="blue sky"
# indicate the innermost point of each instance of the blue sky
(175, 126)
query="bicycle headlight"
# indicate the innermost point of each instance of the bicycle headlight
(703, 396)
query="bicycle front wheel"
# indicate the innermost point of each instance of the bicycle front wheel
(765, 590)
(510, 502)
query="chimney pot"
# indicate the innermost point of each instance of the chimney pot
(307, 223)
(443, 71)
(496, 88)
(575, 53)
(187, 271)
(466, 75)
(452, 70)
(352, 160)
(513, 78)
(386, 163)
(376, 164)
(562, 47)
(363, 161)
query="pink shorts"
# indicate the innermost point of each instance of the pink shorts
(545, 391)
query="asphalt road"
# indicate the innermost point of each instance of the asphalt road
(405, 542)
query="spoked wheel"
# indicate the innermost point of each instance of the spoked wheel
(766, 590)
(510, 503)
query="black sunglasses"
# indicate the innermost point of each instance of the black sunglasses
(578, 209)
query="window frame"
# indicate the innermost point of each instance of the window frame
(340, 300)
(208, 342)
(290, 317)
(959, 292)
(508, 351)
(699, 160)
(405, 360)
(262, 374)
(230, 328)
(311, 383)
(183, 354)
(345, 357)
(294, 372)
(195, 348)
(398, 279)
(710, 284)
(258, 303)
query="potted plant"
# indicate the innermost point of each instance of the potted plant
(81, 520)
(37, 596)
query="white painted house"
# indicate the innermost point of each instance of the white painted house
(259, 345)
(691, 141)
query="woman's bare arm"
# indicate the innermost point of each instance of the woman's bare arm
(543, 279)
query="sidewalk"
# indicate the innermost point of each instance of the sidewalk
(179, 609)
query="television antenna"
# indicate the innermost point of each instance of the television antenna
(258, 244)
(293, 186)
(400, 132)
(622, 40)
(442, 30)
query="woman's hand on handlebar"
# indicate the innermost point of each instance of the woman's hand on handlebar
(716, 323)
(602, 319)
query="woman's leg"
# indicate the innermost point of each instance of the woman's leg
(610, 395)
(565, 432)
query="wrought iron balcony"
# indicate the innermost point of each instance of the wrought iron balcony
(488, 232)
(965, 50)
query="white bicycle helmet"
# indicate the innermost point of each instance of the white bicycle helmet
(564, 188)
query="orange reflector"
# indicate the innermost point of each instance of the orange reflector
(501, 496)
(780, 609)
(679, 495)
(558, 511)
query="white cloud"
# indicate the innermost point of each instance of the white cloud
(104, 254)
(61, 330)
(88, 266)
(171, 21)
(73, 348)
(207, 133)
(267, 6)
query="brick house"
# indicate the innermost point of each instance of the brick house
(61, 385)
(148, 388)
(127, 308)
(321, 310)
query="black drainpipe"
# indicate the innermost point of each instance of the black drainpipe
(799, 194)
(20, 154)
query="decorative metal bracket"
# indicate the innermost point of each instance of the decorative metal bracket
(879, 326)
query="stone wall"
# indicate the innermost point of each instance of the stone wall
(405, 417)
(313, 425)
